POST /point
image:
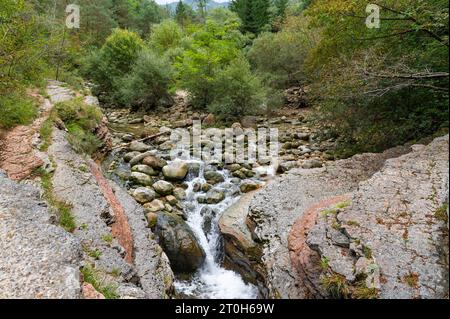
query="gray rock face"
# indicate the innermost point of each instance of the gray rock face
(396, 223)
(176, 171)
(179, 243)
(93, 215)
(274, 210)
(38, 259)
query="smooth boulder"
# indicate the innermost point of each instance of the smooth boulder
(179, 243)
(175, 171)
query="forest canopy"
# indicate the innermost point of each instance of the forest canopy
(370, 88)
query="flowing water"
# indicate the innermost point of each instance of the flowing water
(212, 280)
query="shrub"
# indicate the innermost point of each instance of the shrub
(148, 81)
(166, 35)
(114, 60)
(16, 109)
(81, 120)
(237, 92)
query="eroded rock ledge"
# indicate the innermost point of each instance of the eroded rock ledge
(390, 239)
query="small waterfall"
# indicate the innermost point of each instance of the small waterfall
(212, 281)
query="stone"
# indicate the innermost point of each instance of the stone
(209, 120)
(144, 169)
(234, 167)
(179, 243)
(89, 292)
(208, 215)
(215, 196)
(154, 162)
(206, 187)
(139, 147)
(287, 166)
(176, 171)
(129, 156)
(248, 186)
(154, 206)
(214, 177)
(141, 179)
(163, 188)
(144, 195)
(240, 174)
(152, 219)
(312, 163)
(172, 200)
(138, 158)
(179, 193)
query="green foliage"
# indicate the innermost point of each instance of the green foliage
(165, 36)
(16, 109)
(237, 92)
(46, 132)
(92, 276)
(148, 81)
(212, 48)
(65, 216)
(377, 88)
(81, 121)
(254, 14)
(184, 14)
(280, 57)
(114, 60)
(336, 286)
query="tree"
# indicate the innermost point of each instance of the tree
(254, 14)
(237, 92)
(201, 7)
(184, 13)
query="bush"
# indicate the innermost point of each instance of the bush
(280, 57)
(148, 81)
(166, 35)
(16, 109)
(237, 92)
(114, 60)
(81, 120)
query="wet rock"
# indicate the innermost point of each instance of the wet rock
(176, 171)
(129, 156)
(215, 196)
(287, 166)
(179, 243)
(214, 177)
(141, 179)
(172, 200)
(154, 162)
(179, 193)
(234, 167)
(139, 147)
(144, 195)
(163, 188)
(206, 187)
(240, 174)
(166, 146)
(249, 186)
(144, 169)
(242, 253)
(208, 215)
(138, 158)
(197, 187)
(154, 206)
(194, 169)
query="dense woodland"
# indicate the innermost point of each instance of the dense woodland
(370, 88)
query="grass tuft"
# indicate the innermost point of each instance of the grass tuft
(91, 276)
(16, 109)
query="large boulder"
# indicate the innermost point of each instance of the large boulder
(214, 196)
(144, 169)
(179, 243)
(154, 162)
(214, 177)
(175, 171)
(139, 147)
(242, 253)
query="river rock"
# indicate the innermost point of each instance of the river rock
(249, 186)
(179, 193)
(179, 243)
(154, 162)
(163, 188)
(138, 158)
(139, 147)
(144, 195)
(214, 196)
(214, 177)
(176, 171)
(312, 163)
(155, 206)
(129, 156)
(144, 169)
(208, 215)
(152, 219)
(141, 179)
(172, 200)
